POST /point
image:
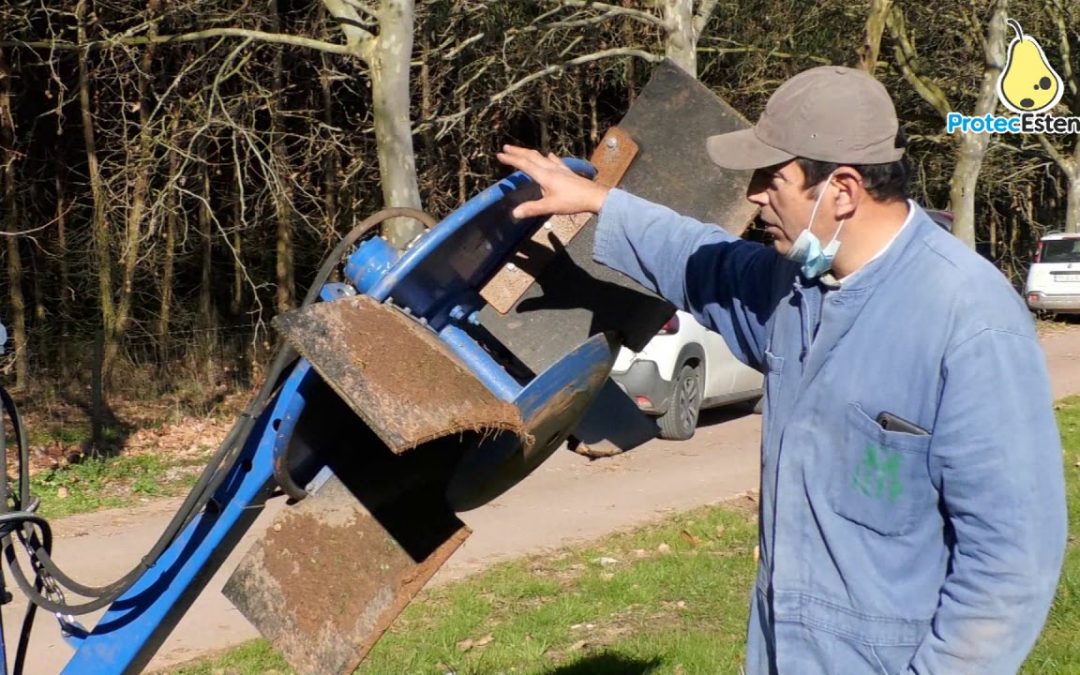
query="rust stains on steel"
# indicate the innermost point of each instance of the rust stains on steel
(394, 373)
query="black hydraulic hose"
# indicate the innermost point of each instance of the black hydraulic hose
(195, 501)
(24, 634)
(212, 475)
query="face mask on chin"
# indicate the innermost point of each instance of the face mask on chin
(807, 249)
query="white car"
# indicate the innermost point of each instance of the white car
(1053, 281)
(682, 370)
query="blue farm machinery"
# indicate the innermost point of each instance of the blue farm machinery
(410, 385)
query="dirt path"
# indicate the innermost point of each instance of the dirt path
(569, 499)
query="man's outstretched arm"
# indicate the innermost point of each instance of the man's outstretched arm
(728, 284)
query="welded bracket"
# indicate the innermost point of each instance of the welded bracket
(612, 158)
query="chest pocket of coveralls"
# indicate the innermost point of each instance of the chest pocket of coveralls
(883, 477)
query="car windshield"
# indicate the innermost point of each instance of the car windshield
(1061, 251)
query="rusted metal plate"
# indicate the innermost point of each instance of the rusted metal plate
(406, 385)
(330, 576)
(576, 297)
(670, 119)
(612, 158)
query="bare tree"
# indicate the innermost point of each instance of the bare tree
(870, 48)
(683, 26)
(1067, 161)
(8, 159)
(971, 147)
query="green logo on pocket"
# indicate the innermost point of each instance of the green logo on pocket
(878, 475)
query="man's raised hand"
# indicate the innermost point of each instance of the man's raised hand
(562, 190)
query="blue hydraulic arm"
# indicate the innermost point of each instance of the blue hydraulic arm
(127, 636)
(437, 282)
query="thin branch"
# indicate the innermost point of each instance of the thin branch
(357, 37)
(905, 55)
(614, 10)
(560, 67)
(460, 46)
(769, 53)
(262, 36)
(1066, 164)
(362, 8)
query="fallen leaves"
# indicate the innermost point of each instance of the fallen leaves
(469, 643)
(691, 538)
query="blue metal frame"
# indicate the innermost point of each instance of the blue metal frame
(137, 623)
(443, 297)
(432, 241)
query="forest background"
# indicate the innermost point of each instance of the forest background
(173, 171)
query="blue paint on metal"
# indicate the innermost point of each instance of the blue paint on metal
(435, 281)
(480, 363)
(370, 262)
(127, 635)
(335, 290)
(464, 249)
(569, 374)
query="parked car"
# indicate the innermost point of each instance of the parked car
(682, 370)
(943, 219)
(1053, 281)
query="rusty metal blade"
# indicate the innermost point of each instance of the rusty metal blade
(395, 374)
(330, 576)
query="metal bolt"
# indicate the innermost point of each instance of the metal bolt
(612, 143)
(511, 267)
(547, 225)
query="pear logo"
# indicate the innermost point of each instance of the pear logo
(1028, 84)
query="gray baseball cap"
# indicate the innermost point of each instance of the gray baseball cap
(830, 113)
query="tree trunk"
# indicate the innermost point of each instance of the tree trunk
(389, 66)
(285, 273)
(206, 337)
(236, 300)
(1070, 166)
(8, 157)
(168, 255)
(136, 212)
(972, 147)
(18, 302)
(681, 43)
(875, 25)
(99, 225)
(332, 162)
(206, 239)
(66, 292)
(1072, 209)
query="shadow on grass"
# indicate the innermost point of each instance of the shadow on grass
(607, 664)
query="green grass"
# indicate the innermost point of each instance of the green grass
(673, 601)
(680, 611)
(1058, 650)
(100, 483)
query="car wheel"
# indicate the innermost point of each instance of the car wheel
(680, 420)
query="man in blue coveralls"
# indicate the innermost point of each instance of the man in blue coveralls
(912, 493)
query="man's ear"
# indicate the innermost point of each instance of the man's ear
(850, 192)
